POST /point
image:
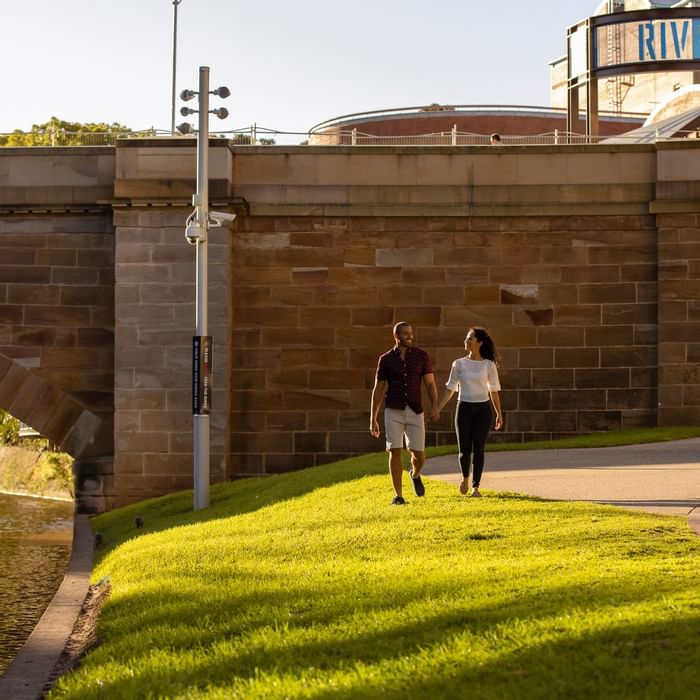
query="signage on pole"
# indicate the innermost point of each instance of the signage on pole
(201, 374)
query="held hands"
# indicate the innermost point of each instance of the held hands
(434, 414)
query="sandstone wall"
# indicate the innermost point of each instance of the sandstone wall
(570, 301)
(553, 249)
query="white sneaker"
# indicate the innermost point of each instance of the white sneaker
(475, 492)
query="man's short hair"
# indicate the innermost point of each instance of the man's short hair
(399, 326)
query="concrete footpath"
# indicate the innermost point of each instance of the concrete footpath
(660, 477)
(30, 670)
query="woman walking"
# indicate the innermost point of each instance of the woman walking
(476, 378)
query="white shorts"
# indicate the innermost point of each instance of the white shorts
(398, 423)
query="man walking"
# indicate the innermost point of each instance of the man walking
(400, 373)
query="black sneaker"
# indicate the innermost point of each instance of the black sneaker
(418, 486)
(398, 501)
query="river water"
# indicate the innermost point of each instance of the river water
(35, 544)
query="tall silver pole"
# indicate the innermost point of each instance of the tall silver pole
(172, 119)
(201, 202)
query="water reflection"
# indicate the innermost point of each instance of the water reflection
(35, 538)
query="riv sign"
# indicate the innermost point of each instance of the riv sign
(646, 42)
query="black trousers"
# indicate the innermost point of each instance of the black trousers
(472, 423)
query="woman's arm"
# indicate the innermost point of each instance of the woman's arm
(496, 399)
(446, 396)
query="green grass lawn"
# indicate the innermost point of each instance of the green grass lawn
(309, 585)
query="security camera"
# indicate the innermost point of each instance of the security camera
(220, 216)
(194, 233)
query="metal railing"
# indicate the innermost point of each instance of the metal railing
(260, 136)
(446, 138)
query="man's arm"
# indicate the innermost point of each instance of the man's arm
(429, 382)
(378, 394)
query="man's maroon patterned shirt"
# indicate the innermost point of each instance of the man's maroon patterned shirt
(404, 377)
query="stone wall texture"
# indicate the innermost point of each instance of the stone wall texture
(571, 303)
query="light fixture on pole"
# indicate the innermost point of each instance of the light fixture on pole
(172, 116)
(196, 230)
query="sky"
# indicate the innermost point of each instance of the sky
(289, 64)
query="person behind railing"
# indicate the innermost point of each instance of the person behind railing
(495, 140)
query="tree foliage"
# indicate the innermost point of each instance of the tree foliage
(57, 132)
(9, 429)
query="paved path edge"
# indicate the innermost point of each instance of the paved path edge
(694, 520)
(29, 672)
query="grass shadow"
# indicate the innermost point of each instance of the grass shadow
(564, 662)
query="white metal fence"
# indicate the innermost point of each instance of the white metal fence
(259, 136)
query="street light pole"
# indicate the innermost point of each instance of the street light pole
(172, 120)
(201, 202)
(196, 232)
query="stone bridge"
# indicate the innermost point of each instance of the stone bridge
(583, 261)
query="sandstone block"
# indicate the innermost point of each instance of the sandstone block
(558, 294)
(536, 357)
(263, 442)
(543, 316)
(603, 378)
(630, 356)
(322, 420)
(576, 357)
(290, 378)
(404, 257)
(551, 336)
(679, 332)
(317, 400)
(560, 421)
(533, 400)
(598, 421)
(372, 316)
(336, 378)
(515, 378)
(144, 442)
(317, 358)
(353, 442)
(284, 421)
(125, 464)
(579, 399)
(597, 336)
(644, 376)
(552, 378)
(637, 398)
(310, 442)
(598, 273)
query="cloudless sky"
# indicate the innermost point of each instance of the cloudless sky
(288, 63)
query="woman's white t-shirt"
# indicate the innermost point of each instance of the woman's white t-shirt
(474, 379)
